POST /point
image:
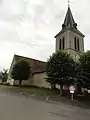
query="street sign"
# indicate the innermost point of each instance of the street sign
(88, 91)
(72, 88)
(71, 91)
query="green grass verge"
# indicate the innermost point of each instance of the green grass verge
(31, 89)
(43, 91)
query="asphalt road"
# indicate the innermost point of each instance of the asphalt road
(14, 106)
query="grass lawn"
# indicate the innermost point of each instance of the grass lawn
(42, 91)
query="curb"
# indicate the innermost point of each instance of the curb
(51, 101)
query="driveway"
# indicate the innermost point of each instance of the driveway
(14, 106)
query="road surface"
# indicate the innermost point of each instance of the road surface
(14, 106)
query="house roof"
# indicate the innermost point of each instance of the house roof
(37, 65)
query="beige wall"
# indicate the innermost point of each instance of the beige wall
(24, 82)
(16, 82)
(40, 81)
(81, 40)
(74, 54)
(69, 43)
(66, 36)
(37, 80)
(9, 80)
(69, 40)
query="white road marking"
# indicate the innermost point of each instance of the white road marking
(47, 98)
(52, 101)
(33, 94)
(21, 92)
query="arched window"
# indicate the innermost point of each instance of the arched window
(63, 45)
(60, 45)
(76, 44)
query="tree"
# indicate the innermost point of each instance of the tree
(79, 77)
(4, 75)
(53, 81)
(85, 68)
(60, 69)
(21, 70)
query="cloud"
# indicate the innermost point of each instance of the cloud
(28, 27)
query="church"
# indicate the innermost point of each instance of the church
(69, 39)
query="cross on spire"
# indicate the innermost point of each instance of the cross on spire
(68, 3)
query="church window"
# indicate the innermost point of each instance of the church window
(60, 47)
(75, 44)
(63, 43)
(78, 44)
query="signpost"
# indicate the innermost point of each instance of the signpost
(88, 91)
(72, 90)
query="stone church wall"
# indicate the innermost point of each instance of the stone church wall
(40, 81)
(36, 80)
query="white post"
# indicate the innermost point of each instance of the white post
(71, 96)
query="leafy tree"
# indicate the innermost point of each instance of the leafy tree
(85, 68)
(79, 77)
(4, 75)
(21, 70)
(60, 69)
(53, 81)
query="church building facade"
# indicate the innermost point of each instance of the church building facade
(69, 39)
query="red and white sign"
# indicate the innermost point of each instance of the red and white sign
(72, 88)
(88, 91)
(71, 91)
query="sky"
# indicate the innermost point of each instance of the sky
(28, 27)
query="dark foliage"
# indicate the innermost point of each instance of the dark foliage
(21, 70)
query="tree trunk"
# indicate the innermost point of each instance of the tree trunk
(79, 89)
(20, 82)
(61, 90)
(53, 86)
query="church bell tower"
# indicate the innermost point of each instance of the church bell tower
(70, 39)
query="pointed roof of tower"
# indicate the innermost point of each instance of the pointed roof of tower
(69, 20)
(69, 24)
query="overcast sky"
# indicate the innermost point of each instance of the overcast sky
(28, 27)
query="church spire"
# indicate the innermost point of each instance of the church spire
(69, 23)
(69, 20)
